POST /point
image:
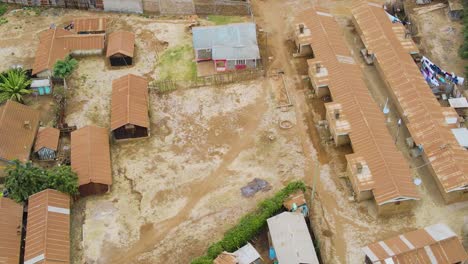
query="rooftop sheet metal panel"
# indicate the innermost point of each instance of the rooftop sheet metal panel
(291, 239)
(83, 42)
(129, 104)
(90, 155)
(369, 135)
(94, 24)
(436, 242)
(425, 118)
(47, 137)
(122, 42)
(11, 216)
(48, 229)
(18, 128)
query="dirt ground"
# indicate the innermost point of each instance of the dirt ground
(179, 190)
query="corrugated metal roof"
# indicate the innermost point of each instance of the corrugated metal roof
(129, 104)
(233, 41)
(47, 137)
(18, 128)
(56, 44)
(295, 198)
(436, 242)
(425, 118)
(122, 42)
(90, 24)
(370, 139)
(90, 155)
(48, 229)
(225, 258)
(246, 254)
(11, 216)
(291, 239)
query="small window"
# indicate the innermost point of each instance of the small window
(240, 62)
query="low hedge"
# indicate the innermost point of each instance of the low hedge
(464, 47)
(249, 225)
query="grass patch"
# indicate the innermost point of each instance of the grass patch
(250, 225)
(177, 63)
(3, 9)
(223, 20)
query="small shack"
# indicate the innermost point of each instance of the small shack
(455, 9)
(93, 25)
(432, 244)
(296, 202)
(129, 108)
(290, 240)
(90, 159)
(41, 86)
(244, 255)
(230, 47)
(48, 228)
(11, 222)
(121, 48)
(18, 127)
(46, 145)
(226, 258)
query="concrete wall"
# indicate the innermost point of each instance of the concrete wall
(395, 208)
(126, 6)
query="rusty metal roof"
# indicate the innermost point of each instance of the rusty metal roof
(428, 122)
(18, 128)
(225, 258)
(122, 42)
(47, 137)
(56, 44)
(90, 155)
(433, 244)
(129, 103)
(11, 216)
(90, 24)
(295, 198)
(48, 229)
(369, 135)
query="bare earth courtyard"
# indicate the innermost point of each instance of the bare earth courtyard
(178, 191)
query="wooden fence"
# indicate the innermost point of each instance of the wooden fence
(161, 86)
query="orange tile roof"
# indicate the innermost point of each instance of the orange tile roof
(16, 137)
(425, 118)
(48, 229)
(11, 216)
(90, 155)
(369, 135)
(56, 44)
(433, 244)
(47, 137)
(129, 103)
(90, 24)
(122, 42)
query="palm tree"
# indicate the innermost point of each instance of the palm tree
(13, 84)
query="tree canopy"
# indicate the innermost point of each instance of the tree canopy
(64, 68)
(13, 85)
(24, 180)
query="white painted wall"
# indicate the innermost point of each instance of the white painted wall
(127, 6)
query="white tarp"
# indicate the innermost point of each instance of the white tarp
(461, 134)
(40, 83)
(458, 102)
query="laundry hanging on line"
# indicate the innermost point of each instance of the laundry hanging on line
(435, 76)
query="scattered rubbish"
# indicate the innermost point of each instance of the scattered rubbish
(255, 186)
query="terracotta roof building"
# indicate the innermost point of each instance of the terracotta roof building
(47, 143)
(376, 168)
(428, 122)
(129, 107)
(90, 159)
(433, 244)
(11, 221)
(93, 25)
(48, 228)
(57, 44)
(18, 127)
(121, 48)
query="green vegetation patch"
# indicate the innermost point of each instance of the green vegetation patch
(223, 20)
(177, 63)
(250, 225)
(463, 51)
(3, 9)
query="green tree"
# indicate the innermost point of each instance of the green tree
(24, 180)
(64, 68)
(13, 84)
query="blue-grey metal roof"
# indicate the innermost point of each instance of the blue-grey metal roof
(230, 42)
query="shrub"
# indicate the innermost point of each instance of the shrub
(250, 225)
(3, 9)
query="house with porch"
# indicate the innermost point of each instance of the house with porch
(230, 47)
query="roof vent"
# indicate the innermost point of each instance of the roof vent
(301, 28)
(317, 67)
(359, 167)
(27, 124)
(337, 114)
